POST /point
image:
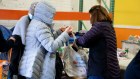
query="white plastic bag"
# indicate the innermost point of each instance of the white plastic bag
(75, 62)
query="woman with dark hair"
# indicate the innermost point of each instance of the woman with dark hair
(101, 41)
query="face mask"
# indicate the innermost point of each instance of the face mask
(30, 15)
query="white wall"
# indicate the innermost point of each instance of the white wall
(60, 5)
(87, 5)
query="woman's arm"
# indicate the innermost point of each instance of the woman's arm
(57, 33)
(90, 37)
(47, 40)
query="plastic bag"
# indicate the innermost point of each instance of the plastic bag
(75, 62)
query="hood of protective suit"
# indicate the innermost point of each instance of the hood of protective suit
(44, 12)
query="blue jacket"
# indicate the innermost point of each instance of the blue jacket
(5, 33)
(133, 69)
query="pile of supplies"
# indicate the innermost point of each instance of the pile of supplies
(129, 49)
(132, 44)
(134, 39)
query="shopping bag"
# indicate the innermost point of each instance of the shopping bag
(75, 62)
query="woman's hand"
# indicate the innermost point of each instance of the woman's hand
(69, 30)
(63, 28)
(12, 38)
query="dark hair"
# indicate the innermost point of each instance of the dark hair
(99, 14)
